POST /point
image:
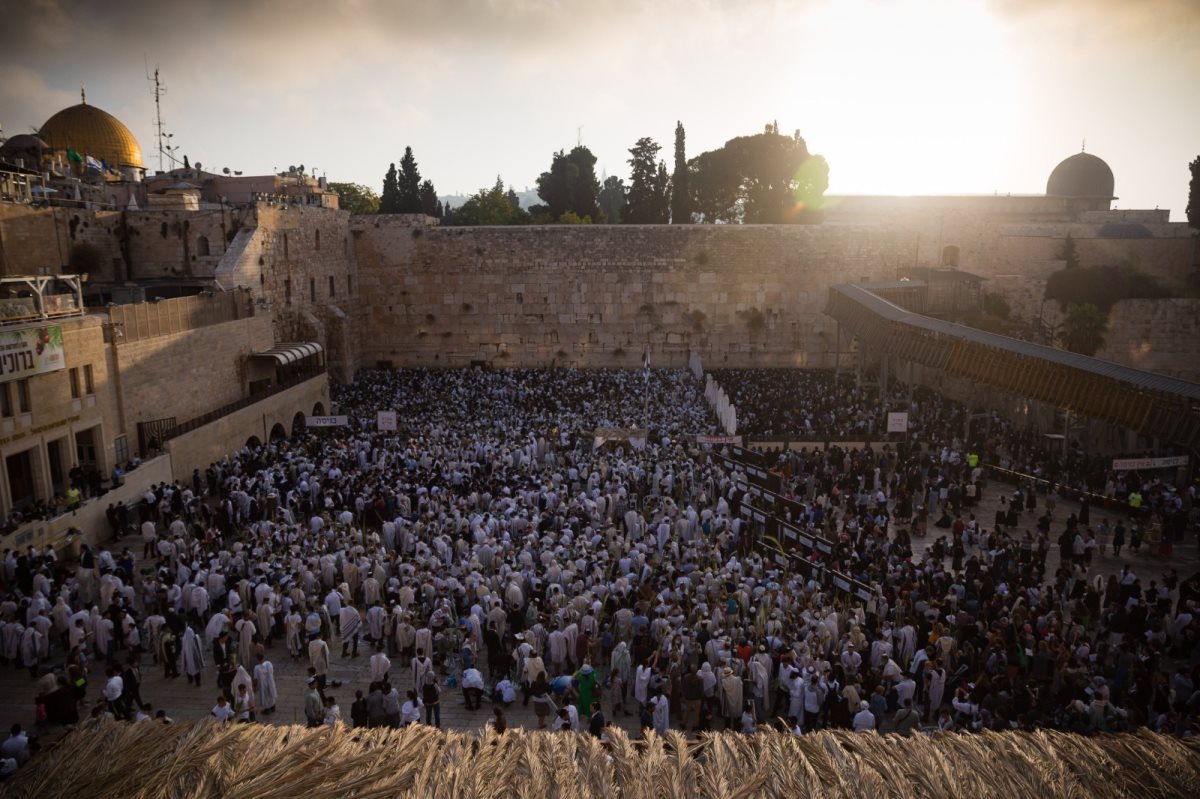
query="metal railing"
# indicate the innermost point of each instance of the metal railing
(245, 402)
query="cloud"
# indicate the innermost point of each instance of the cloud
(23, 97)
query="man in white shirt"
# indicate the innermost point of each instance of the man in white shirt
(112, 692)
(864, 719)
(221, 711)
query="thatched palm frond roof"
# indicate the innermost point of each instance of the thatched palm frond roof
(201, 759)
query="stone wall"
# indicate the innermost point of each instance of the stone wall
(212, 442)
(90, 518)
(188, 374)
(1157, 335)
(39, 241)
(300, 261)
(600, 295)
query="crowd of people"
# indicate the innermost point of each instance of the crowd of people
(815, 405)
(493, 547)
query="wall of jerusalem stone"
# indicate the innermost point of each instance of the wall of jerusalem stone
(599, 296)
(1157, 335)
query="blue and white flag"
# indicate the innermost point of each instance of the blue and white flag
(646, 365)
(94, 163)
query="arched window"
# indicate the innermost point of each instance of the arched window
(950, 255)
(317, 239)
(202, 246)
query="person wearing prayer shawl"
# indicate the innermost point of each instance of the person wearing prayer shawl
(246, 630)
(192, 651)
(379, 664)
(265, 692)
(349, 624)
(216, 625)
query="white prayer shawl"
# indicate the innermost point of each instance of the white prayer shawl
(348, 624)
(376, 620)
(246, 631)
(264, 616)
(424, 640)
(907, 643)
(292, 625)
(264, 679)
(379, 666)
(641, 683)
(193, 652)
(242, 677)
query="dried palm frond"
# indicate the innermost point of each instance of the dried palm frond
(203, 760)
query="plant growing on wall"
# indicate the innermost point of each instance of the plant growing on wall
(85, 258)
(1084, 328)
(754, 319)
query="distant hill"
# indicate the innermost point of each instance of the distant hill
(527, 197)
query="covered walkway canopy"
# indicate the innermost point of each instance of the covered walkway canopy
(289, 353)
(1149, 403)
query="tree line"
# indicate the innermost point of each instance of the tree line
(765, 178)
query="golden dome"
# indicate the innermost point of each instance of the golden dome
(90, 131)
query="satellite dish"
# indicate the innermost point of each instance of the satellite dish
(237, 171)
(225, 170)
(199, 166)
(301, 169)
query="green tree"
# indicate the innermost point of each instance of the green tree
(1084, 328)
(767, 178)
(1193, 206)
(612, 199)
(410, 184)
(512, 196)
(429, 200)
(356, 198)
(1069, 253)
(715, 184)
(570, 185)
(489, 206)
(389, 202)
(648, 201)
(681, 198)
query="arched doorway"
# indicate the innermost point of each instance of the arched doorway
(253, 443)
(298, 424)
(202, 246)
(319, 409)
(278, 432)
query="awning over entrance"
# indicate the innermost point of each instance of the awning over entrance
(284, 354)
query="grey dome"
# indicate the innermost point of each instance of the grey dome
(1081, 175)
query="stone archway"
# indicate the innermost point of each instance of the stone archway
(319, 409)
(253, 443)
(298, 423)
(278, 432)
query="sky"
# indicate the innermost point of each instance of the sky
(901, 96)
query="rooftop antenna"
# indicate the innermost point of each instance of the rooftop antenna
(159, 91)
(82, 94)
(1083, 147)
(579, 136)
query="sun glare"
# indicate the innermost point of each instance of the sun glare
(906, 97)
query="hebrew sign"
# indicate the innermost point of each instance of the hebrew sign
(29, 352)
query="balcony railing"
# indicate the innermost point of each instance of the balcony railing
(245, 402)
